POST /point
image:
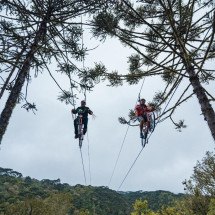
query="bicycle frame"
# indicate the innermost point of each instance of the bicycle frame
(80, 130)
(149, 126)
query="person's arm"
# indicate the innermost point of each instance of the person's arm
(150, 108)
(74, 111)
(90, 112)
(136, 110)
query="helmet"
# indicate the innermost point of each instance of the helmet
(142, 100)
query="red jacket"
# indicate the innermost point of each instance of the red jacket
(141, 110)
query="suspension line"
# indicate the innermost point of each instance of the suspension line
(130, 168)
(138, 99)
(89, 163)
(83, 166)
(118, 155)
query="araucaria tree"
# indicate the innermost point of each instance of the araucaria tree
(33, 34)
(172, 39)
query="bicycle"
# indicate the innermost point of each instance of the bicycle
(148, 126)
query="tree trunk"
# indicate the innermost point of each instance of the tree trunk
(16, 90)
(12, 71)
(206, 108)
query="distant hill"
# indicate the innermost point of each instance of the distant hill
(24, 195)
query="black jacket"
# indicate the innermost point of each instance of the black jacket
(82, 110)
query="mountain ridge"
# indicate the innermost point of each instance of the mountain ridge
(17, 191)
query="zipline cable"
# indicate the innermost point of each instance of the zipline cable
(83, 62)
(124, 137)
(83, 166)
(169, 101)
(141, 89)
(85, 99)
(177, 85)
(130, 168)
(89, 163)
(73, 104)
(118, 155)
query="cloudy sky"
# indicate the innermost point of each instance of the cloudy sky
(42, 146)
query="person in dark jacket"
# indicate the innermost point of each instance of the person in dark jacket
(84, 111)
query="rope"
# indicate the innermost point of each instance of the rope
(124, 137)
(140, 90)
(71, 84)
(130, 168)
(168, 102)
(118, 156)
(89, 156)
(85, 98)
(83, 167)
(83, 62)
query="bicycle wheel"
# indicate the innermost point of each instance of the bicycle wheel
(145, 135)
(152, 122)
(80, 132)
(80, 142)
(145, 131)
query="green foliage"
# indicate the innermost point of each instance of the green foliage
(180, 125)
(211, 209)
(133, 77)
(203, 178)
(173, 40)
(141, 208)
(97, 72)
(122, 120)
(201, 187)
(114, 79)
(134, 62)
(24, 195)
(169, 75)
(67, 97)
(155, 200)
(20, 196)
(104, 24)
(56, 204)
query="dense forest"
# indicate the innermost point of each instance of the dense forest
(20, 195)
(28, 196)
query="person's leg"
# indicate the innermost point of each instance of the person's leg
(76, 127)
(141, 128)
(140, 119)
(145, 118)
(85, 122)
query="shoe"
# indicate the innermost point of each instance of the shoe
(141, 135)
(76, 136)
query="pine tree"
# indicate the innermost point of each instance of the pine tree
(33, 35)
(171, 39)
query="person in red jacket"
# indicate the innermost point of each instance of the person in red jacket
(140, 111)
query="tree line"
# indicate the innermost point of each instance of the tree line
(25, 195)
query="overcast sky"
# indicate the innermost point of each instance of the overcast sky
(42, 146)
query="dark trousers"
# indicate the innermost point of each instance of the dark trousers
(85, 122)
(145, 117)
